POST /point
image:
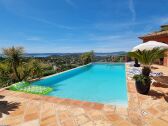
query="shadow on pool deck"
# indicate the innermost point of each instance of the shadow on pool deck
(157, 95)
(6, 107)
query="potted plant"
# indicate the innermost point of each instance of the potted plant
(142, 83)
(146, 58)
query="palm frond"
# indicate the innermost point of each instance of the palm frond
(147, 57)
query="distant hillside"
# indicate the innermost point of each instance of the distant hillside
(64, 54)
(111, 54)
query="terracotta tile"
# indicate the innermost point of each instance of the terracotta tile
(135, 117)
(89, 124)
(152, 111)
(68, 122)
(44, 98)
(98, 106)
(109, 108)
(125, 123)
(61, 107)
(47, 120)
(34, 97)
(47, 110)
(82, 119)
(17, 94)
(17, 112)
(113, 117)
(164, 117)
(87, 104)
(63, 115)
(31, 116)
(96, 115)
(7, 92)
(158, 122)
(53, 99)
(23, 95)
(122, 110)
(31, 123)
(57, 100)
(14, 120)
(67, 102)
(77, 103)
(101, 123)
(32, 107)
(47, 99)
(162, 107)
(77, 111)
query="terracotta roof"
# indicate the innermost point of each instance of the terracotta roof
(155, 34)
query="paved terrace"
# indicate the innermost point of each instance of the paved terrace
(20, 109)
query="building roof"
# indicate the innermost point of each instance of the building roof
(162, 33)
(155, 34)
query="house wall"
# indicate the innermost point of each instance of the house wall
(160, 39)
(165, 62)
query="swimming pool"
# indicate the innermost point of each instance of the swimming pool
(97, 82)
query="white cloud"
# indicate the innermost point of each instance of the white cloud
(132, 9)
(71, 3)
(51, 23)
(104, 38)
(34, 38)
(162, 21)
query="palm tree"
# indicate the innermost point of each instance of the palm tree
(87, 57)
(14, 56)
(146, 58)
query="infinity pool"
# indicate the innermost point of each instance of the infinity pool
(96, 82)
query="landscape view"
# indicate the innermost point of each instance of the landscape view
(83, 63)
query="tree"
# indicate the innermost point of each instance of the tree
(147, 58)
(87, 57)
(5, 74)
(14, 57)
(36, 68)
(16, 68)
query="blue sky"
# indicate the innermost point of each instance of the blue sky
(79, 25)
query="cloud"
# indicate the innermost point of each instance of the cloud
(34, 38)
(71, 3)
(51, 23)
(104, 37)
(18, 8)
(119, 26)
(162, 21)
(132, 9)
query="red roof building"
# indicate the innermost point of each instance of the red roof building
(159, 36)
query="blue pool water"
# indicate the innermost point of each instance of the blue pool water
(97, 82)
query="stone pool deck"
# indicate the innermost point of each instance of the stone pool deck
(21, 109)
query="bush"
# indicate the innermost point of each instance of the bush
(49, 72)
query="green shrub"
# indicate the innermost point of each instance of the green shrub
(49, 72)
